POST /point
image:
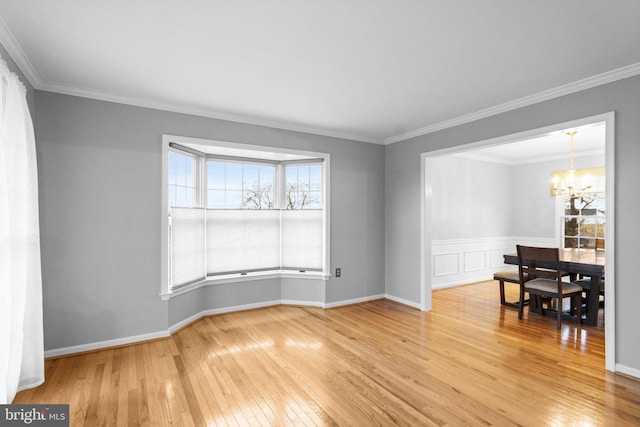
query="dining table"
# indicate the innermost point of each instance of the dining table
(580, 262)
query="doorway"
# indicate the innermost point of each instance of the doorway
(429, 275)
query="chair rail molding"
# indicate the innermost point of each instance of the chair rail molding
(458, 262)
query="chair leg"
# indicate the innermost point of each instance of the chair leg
(559, 313)
(502, 298)
(577, 302)
(521, 302)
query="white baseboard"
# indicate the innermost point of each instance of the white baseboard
(177, 326)
(404, 301)
(482, 278)
(302, 303)
(105, 344)
(628, 370)
(211, 312)
(354, 301)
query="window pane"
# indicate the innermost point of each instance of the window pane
(316, 177)
(180, 170)
(181, 197)
(267, 174)
(599, 205)
(189, 176)
(570, 242)
(171, 171)
(215, 199)
(315, 201)
(291, 172)
(215, 175)
(251, 176)
(588, 227)
(570, 227)
(233, 200)
(234, 176)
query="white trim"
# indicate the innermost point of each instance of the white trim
(450, 258)
(404, 302)
(460, 283)
(17, 54)
(302, 303)
(200, 112)
(105, 344)
(609, 285)
(22, 61)
(573, 87)
(249, 277)
(354, 301)
(191, 319)
(529, 160)
(624, 369)
(204, 313)
(426, 243)
(426, 250)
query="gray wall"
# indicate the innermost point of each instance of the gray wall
(100, 182)
(402, 189)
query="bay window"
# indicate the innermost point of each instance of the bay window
(253, 212)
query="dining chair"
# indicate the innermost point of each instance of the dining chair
(508, 276)
(542, 265)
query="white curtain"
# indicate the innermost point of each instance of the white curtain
(21, 329)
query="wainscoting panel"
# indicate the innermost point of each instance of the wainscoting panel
(475, 261)
(464, 261)
(446, 264)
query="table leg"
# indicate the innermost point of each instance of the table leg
(593, 301)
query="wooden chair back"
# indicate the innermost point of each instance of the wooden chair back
(539, 263)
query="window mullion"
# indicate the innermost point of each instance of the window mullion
(201, 184)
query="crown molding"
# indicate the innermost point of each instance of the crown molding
(535, 159)
(577, 86)
(202, 112)
(22, 61)
(17, 54)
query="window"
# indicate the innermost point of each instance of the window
(303, 186)
(583, 221)
(181, 176)
(234, 185)
(236, 215)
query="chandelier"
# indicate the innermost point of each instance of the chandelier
(574, 182)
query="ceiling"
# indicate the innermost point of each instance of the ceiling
(589, 140)
(369, 70)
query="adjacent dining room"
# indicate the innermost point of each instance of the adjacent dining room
(536, 190)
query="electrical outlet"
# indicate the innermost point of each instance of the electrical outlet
(338, 272)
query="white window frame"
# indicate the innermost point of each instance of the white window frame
(198, 172)
(560, 220)
(250, 151)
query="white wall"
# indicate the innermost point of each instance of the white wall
(480, 210)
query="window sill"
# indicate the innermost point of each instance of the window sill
(233, 278)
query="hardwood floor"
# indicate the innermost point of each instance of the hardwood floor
(467, 362)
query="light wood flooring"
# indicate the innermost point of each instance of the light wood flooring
(467, 362)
